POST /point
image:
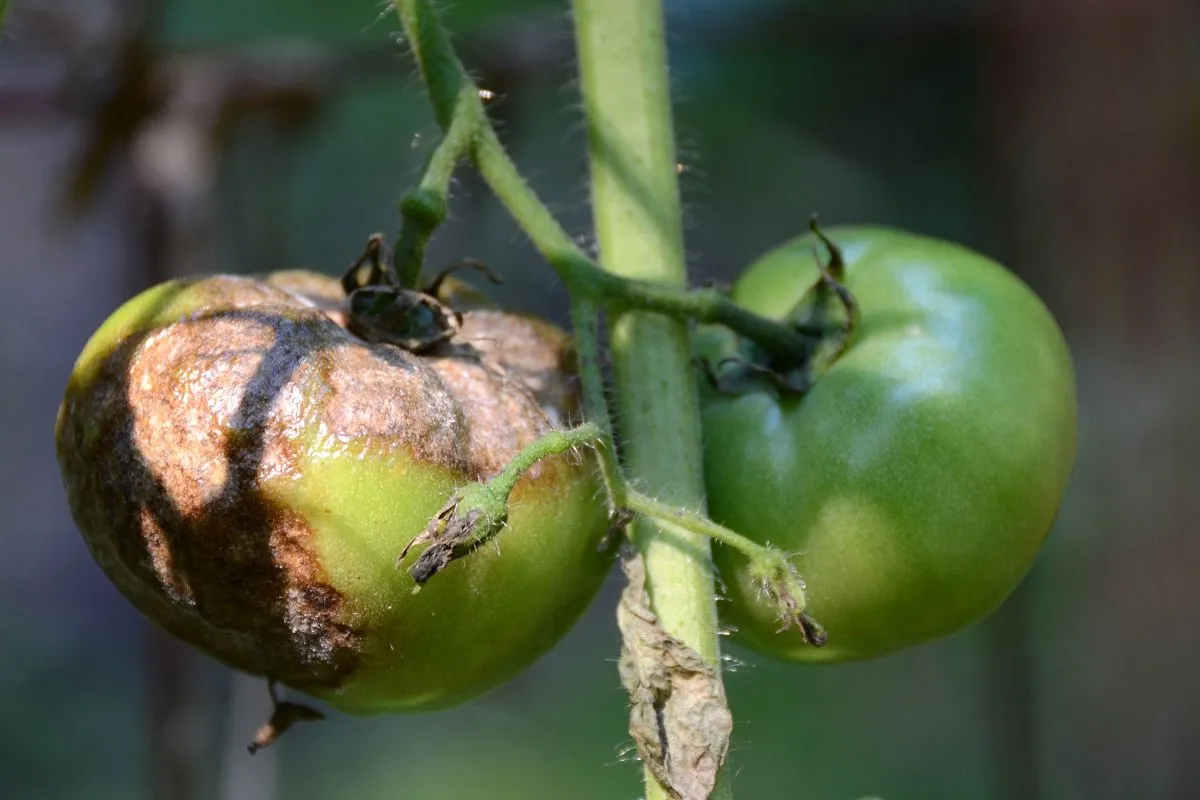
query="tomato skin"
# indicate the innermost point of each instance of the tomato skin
(246, 472)
(918, 478)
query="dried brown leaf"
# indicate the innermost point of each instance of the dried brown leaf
(678, 717)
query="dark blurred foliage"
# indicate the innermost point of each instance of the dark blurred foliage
(1063, 136)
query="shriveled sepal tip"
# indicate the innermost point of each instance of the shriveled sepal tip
(779, 581)
(475, 514)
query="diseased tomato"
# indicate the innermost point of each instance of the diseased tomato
(246, 471)
(916, 479)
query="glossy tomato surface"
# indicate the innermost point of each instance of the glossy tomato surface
(916, 481)
(247, 471)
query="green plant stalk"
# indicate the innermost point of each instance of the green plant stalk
(441, 70)
(584, 318)
(423, 209)
(636, 207)
(774, 571)
(638, 227)
(493, 495)
(699, 525)
(589, 434)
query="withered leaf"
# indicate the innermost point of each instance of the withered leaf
(678, 717)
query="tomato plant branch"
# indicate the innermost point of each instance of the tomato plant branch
(554, 443)
(584, 317)
(583, 275)
(441, 70)
(486, 503)
(776, 575)
(424, 208)
(455, 97)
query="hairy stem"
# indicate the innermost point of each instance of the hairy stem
(693, 522)
(453, 96)
(550, 444)
(636, 206)
(441, 70)
(582, 275)
(584, 316)
(643, 284)
(423, 209)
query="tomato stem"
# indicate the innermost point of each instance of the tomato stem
(584, 316)
(554, 443)
(693, 522)
(776, 573)
(424, 208)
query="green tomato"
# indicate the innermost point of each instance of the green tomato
(246, 471)
(917, 479)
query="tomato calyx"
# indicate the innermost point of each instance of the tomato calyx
(474, 515)
(817, 310)
(449, 290)
(827, 316)
(782, 585)
(410, 320)
(478, 511)
(382, 311)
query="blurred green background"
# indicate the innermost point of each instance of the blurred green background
(144, 140)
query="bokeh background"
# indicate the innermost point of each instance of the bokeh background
(142, 140)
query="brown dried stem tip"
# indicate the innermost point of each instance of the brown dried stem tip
(283, 717)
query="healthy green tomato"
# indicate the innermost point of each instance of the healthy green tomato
(917, 479)
(246, 471)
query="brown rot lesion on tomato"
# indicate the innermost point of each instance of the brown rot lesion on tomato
(827, 317)
(447, 318)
